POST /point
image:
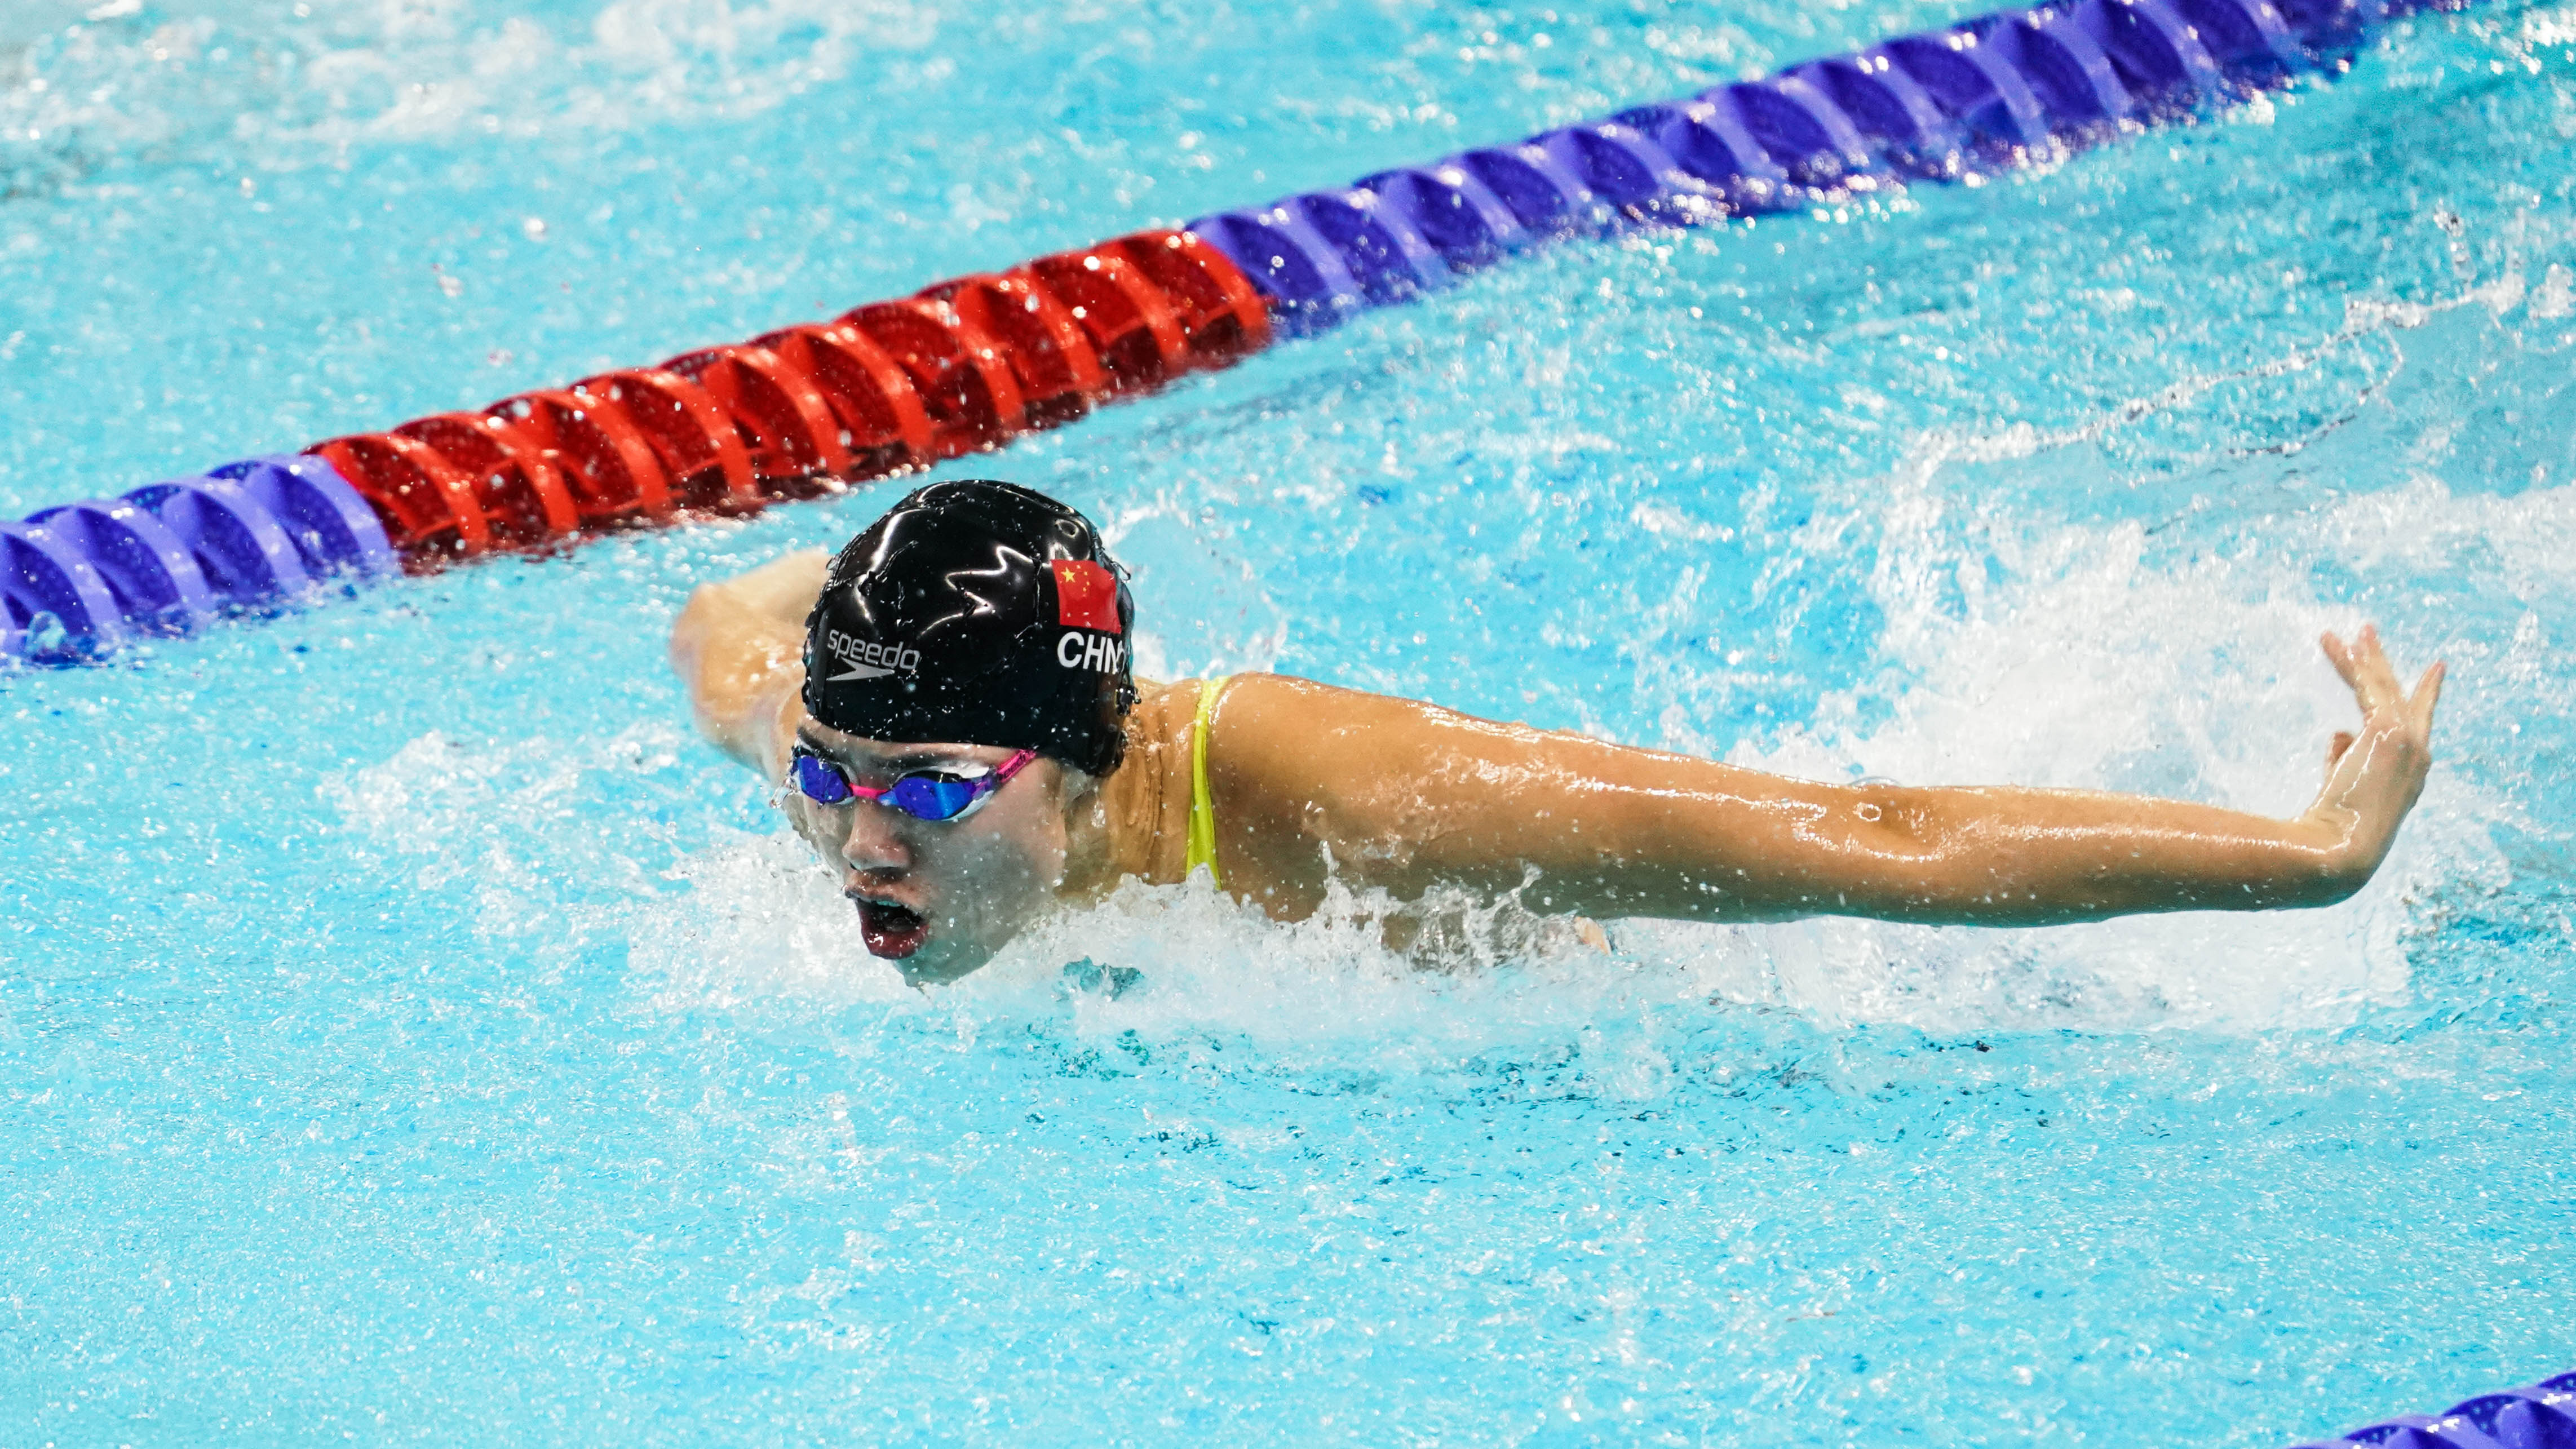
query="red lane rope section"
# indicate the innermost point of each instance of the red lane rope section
(957, 368)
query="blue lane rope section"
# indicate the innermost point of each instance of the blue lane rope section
(2540, 1416)
(1987, 94)
(81, 580)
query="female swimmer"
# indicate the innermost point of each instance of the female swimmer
(950, 708)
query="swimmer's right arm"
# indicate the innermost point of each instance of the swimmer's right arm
(739, 647)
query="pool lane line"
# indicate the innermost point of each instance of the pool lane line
(2536, 1416)
(969, 364)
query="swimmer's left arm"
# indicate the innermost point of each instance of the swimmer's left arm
(739, 648)
(1405, 796)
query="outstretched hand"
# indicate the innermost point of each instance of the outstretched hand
(2374, 776)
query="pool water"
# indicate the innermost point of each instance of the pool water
(408, 1031)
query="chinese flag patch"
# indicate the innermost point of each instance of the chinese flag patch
(1086, 596)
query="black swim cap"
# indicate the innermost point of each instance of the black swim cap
(977, 613)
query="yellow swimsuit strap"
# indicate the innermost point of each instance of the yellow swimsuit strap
(1202, 804)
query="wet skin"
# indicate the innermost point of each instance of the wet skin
(1314, 784)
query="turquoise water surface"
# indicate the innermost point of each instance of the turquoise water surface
(409, 1032)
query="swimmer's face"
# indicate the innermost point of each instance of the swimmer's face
(937, 898)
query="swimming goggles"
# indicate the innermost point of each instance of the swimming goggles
(921, 794)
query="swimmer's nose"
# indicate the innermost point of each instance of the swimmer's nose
(874, 843)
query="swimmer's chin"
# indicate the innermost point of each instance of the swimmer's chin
(951, 950)
(942, 962)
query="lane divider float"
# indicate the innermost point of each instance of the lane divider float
(2538, 1416)
(969, 364)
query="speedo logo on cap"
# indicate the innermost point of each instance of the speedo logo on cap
(867, 659)
(1086, 598)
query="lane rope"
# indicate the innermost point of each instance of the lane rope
(2536, 1416)
(971, 363)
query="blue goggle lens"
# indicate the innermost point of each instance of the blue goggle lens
(932, 797)
(822, 782)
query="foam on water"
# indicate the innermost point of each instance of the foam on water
(276, 89)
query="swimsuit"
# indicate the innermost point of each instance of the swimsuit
(1202, 804)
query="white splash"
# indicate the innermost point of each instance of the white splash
(77, 86)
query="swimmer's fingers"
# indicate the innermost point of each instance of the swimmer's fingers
(2364, 666)
(2339, 654)
(2375, 774)
(2428, 693)
(2374, 680)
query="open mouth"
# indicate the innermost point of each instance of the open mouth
(890, 931)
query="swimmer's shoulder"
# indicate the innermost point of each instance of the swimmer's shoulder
(1149, 797)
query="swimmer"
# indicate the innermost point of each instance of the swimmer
(949, 710)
